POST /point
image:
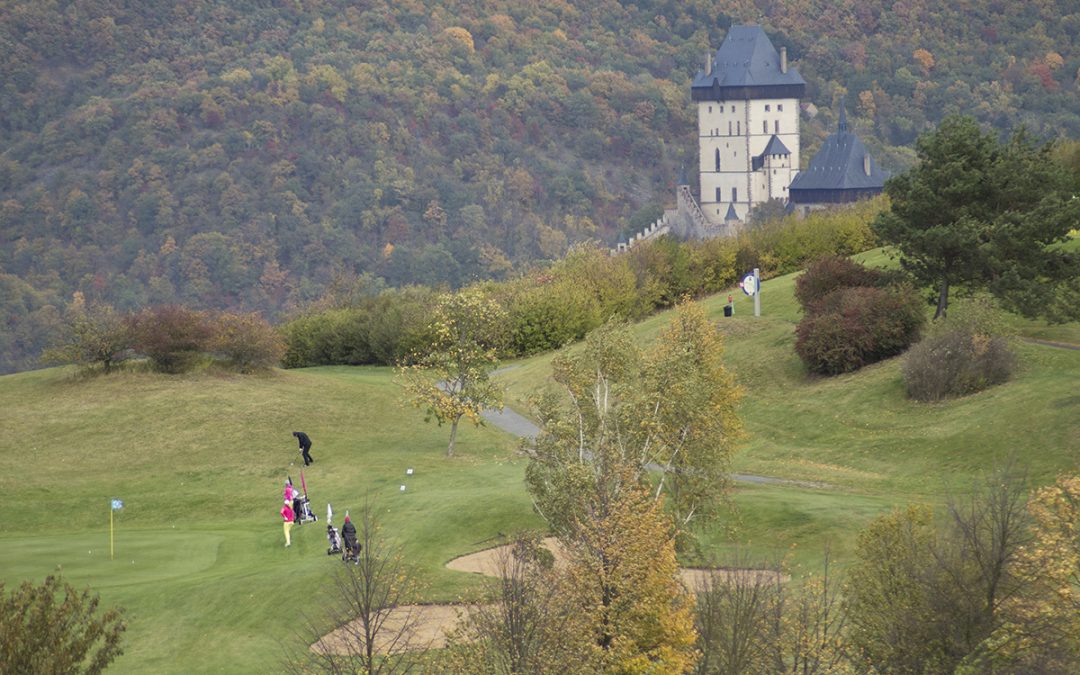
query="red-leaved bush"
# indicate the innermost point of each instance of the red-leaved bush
(172, 337)
(829, 273)
(852, 327)
(246, 342)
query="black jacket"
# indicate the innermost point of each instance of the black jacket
(348, 532)
(305, 442)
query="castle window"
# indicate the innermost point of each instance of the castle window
(729, 127)
(738, 128)
(780, 107)
(734, 194)
(776, 127)
(710, 108)
(764, 126)
(718, 159)
(718, 197)
(766, 107)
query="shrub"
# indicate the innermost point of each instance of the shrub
(829, 273)
(246, 341)
(853, 327)
(53, 627)
(329, 337)
(550, 316)
(381, 329)
(956, 362)
(398, 325)
(172, 337)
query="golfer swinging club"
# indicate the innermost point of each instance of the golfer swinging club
(305, 446)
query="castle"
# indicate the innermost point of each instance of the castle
(748, 104)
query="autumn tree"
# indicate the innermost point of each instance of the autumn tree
(623, 576)
(97, 334)
(523, 628)
(751, 620)
(374, 629)
(246, 341)
(686, 413)
(172, 337)
(887, 599)
(450, 376)
(927, 597)
(735, 616)
(1041, 630)
(670, 410)
(54, 628)
(978, 213)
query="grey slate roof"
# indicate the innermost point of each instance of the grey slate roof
(746, 58)
(776, 147)
(731, 215)
(838, 165)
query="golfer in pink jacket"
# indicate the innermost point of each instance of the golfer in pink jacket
(288, 516)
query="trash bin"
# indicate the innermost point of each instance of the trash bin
(729, 310)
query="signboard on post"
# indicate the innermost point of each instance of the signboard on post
(751, 285)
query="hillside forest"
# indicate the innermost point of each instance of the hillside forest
(247, 155)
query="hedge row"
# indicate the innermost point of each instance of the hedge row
(547, 308)
(172, 338)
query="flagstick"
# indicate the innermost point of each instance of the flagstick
(110, 531)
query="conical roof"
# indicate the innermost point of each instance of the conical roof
(839, 164)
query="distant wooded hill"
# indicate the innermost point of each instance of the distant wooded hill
(241, 155)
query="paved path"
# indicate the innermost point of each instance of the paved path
(511, 422)
(1051, 343)
(514, 423)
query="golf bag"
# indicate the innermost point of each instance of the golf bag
(303, 511)
(334, 539)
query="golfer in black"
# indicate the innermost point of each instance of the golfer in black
(305, 446)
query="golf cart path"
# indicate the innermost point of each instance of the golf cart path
(517, 424)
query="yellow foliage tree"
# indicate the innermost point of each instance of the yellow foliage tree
(460, 36)
(450, 378)
(925, 60)
(1042, 630)
(623, 574)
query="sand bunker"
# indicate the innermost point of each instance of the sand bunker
(434, 622)
(486, 562)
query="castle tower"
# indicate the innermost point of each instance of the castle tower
(748, 124)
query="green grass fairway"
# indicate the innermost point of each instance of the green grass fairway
(200, 461)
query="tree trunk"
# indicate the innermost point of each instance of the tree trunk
(943, 299)
(453, 436)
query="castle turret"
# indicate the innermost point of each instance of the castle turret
(748, 124)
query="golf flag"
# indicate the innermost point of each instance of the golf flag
(115, 505)
(329, 514)
(302, 483)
